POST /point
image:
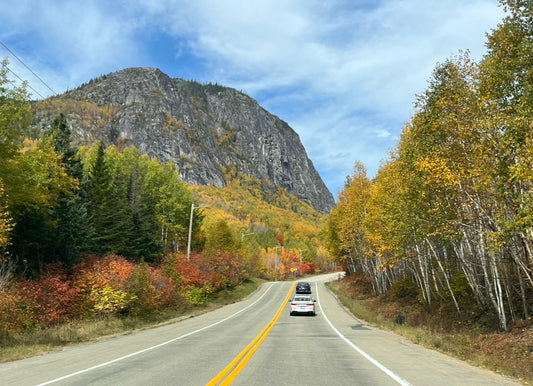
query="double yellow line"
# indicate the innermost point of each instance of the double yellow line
(235, 367)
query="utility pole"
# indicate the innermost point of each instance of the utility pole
(243, 235)
(301, 250)
(190, 229)
(276, 264)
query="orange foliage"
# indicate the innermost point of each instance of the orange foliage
(113, 284)
(219, 270)
(103, 282)
(53, 297)
(95, 272)
(16, 311)
(189, 271)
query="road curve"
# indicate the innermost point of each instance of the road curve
(332, 348)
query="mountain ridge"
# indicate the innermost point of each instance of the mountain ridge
(203, 128)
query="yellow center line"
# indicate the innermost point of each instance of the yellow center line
(240, 360)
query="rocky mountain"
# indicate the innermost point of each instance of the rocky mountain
(205, 129)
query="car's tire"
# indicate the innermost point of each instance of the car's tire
(292, 313)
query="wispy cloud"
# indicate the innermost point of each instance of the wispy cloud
(344, 74)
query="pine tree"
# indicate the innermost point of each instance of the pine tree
(73, 225)
(98, 191)
(144, 229)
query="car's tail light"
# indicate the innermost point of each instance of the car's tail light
(293, 304)
(310, 304)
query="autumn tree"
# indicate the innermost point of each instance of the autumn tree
(14, 119)
(172, 199)
(220, 237)
(351, 215)
(34, 201)
(14, 113)
(506, 83)
(452, 205)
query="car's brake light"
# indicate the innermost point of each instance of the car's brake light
(293, 304)
(310, 304)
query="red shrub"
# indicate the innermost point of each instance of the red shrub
(112, 270)
(307, 268)
(103, 283)
(217, 270)
(190, 272)
(55, 297)
(165, 287)
(229, 267)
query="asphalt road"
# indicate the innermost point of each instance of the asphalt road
(332, 348)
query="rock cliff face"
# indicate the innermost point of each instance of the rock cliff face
(202, 128)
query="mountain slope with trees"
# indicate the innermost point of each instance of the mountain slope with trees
(201, 129)
(94, 232)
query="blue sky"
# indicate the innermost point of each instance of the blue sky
(343, 74)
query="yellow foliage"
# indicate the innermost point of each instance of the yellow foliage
(6, 224)
(41, 176)
(247, 209)
(108, 300)
(92, 115)
(437, 172)
(172, 124)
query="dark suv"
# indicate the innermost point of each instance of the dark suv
(303, 287)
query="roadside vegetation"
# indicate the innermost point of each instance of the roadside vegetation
(449, 216)
(98, 240)
(39, 341)
(439, 245)
(469, 337)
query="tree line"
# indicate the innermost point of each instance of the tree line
(58, 201)
(449, 215)
(92, 231)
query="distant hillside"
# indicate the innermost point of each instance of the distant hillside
(245, 207)
(205, 129)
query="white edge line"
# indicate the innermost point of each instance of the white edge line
(152, 347)
(364, 354)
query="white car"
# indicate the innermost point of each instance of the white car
(302, 304)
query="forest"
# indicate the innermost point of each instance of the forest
(90, 232)
(448, 219)
(449, 215)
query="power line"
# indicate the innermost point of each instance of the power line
(22, 80)
(24, 64)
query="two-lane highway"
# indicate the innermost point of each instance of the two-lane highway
(335, 348)
(332, 348)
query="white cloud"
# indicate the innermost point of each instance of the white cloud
(343, 74)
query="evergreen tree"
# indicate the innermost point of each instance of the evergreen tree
(116, 219)
(62, 137)
(144, 228)
(73, 226)
(98, 191)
